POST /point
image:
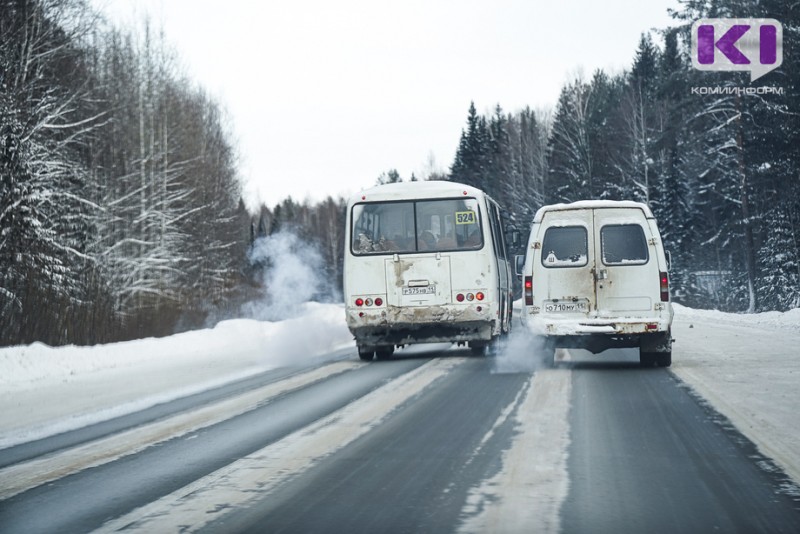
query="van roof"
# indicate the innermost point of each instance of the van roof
(592, 204)
(425, 189)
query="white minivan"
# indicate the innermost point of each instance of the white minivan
(595, 277)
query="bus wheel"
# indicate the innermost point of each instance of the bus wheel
(384, 353)
(478, 348)
(366, 353)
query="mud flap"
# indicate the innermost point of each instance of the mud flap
(660, 342)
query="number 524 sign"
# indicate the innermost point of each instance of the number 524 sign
(465, 217)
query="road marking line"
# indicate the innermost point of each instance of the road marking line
(533, 482)
(252, 477)
(21, 477)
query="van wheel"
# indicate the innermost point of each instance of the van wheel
(384, 353)
(655, 359)
(549, 355)
(366, 353)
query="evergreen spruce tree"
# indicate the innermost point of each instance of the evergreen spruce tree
(644, 71)
(389, 177)
(466, 164)
(674, 209)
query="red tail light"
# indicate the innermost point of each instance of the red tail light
(359, 302)
(479, 295)
(378, 301)
(528, 291)
(664, 278)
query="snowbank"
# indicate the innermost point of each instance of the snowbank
(747, 366)
(45, 390)
(774, 320)
(257, 343)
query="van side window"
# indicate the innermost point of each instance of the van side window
(565, 246)
(623, 244)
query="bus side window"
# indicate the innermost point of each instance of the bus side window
(362, 231)
(497, 235)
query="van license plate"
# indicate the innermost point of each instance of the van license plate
(566, 307)
(423, 290)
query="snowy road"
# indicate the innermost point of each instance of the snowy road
(431, 441)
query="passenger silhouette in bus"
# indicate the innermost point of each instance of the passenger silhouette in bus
(387, 245)
(474, 238)
(426, 240)
(447, 243)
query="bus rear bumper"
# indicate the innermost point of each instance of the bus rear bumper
(407, 325)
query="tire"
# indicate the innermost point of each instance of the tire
(496, 346)
(366, 353)
(478, 348)
(655, 359)
(384, 353)
(549, 355)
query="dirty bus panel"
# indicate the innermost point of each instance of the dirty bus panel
(421, 265)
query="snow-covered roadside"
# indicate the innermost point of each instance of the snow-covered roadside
(748, 368)
(46, 390)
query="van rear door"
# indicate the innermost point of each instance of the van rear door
(626, 272)
(567, 257)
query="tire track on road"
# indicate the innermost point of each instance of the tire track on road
(249, 479)
(18, 478)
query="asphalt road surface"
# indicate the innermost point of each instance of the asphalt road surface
(430, 441)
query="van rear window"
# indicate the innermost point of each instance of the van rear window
(565, 246)
(623, 244)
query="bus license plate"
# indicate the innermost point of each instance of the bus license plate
(566, 307)
(422, 290)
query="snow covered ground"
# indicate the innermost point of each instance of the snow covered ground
(746, 366)
(46, 390)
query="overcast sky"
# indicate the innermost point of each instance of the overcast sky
(325, 95)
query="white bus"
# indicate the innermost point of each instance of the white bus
(425, 262)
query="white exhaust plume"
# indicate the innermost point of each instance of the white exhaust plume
(521, 352)
(293, 274)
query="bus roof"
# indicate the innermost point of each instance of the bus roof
(591, 204)
(405, 190)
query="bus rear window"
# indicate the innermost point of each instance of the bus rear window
(565, 246)
(416, 226)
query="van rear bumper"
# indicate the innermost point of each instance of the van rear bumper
(659, 342)
(596, 335)
(431, 324)
(549, 325)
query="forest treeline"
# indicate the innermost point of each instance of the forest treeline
(719, 167)
(121, 213)
(120, 209)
